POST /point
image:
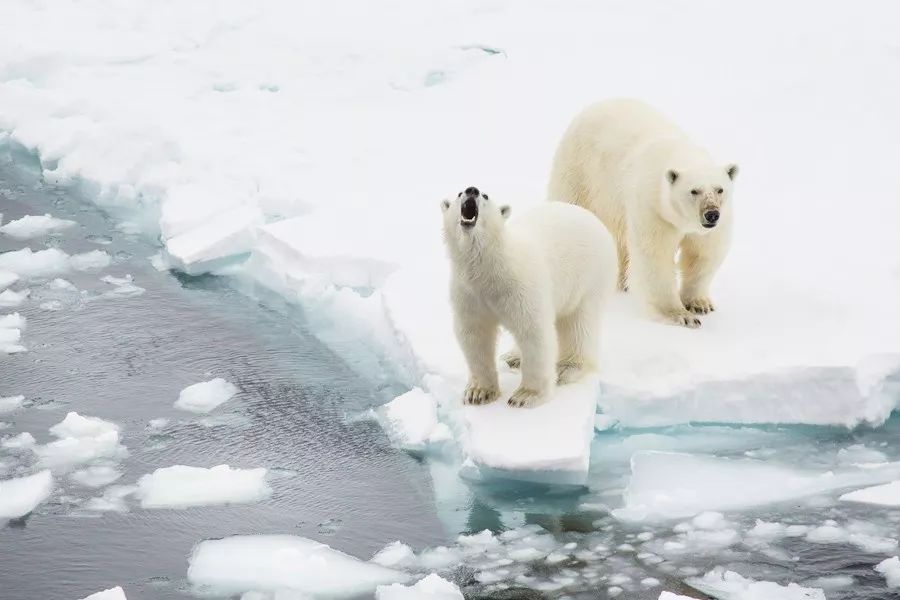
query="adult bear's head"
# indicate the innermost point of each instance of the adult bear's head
(698, 199)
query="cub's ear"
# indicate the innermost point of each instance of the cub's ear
(671, 176)
(732, 171)
(445, 204)
(505, 210)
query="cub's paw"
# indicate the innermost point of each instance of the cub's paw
(525, 398)
(475, 394)
(700, 305)
(568, 373)
(683, 318)
(512, 359)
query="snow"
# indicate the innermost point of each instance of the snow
(887, 494)
(11, 403)
(11, 299)
(729, 585)
(890, 568)
(268, 563)
(430, 587)
(181, 486)
(668, 485)
(31, 226)
(205, 396)
(90, 261)
(115, 593)
(411, 421)
(21, 495)
(7, 278)
(82, 440)
(35, 265)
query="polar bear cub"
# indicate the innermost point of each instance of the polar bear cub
(658, 193)
(545, 276)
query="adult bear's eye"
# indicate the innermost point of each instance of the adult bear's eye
(695, 192)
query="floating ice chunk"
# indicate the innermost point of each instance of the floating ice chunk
(19, 442)
(860, 454)
(11, 299)
(411, 421)
(271, 562)
(730, 585)
(51, 305)
(157, 424)
(229, 234)
(32, 265)
(59, 284)
(32, 226)
(9, 336)
(883, 495)
(709, 520)
(859, 534)
(96, 476)
(83, 439)
(75, 425)
(12, 321)
(833, 582)
(11, 403)
(20, 496)
(890, 568)
(7, 278)
(671, 596)
(205, 396)
(116, 593)
(112, 500)
(395, 554)
(117, 280)
(432, 587)
(180, 486)
(673, 485)
(90, 261)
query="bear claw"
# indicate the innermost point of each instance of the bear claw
(475, 394)
(700, 306)
(525, 398)
(685, 319)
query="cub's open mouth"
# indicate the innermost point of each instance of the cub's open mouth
(709, 225)
(469, 212)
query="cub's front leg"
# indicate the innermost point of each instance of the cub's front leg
(476, 331)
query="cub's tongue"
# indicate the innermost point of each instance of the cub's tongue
(469, 209)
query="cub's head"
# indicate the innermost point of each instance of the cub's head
(472, 216)
(698, 199)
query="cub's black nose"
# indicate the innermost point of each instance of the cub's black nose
(711, 216)
(472, 191)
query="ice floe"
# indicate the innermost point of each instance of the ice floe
(721, 583)
(267, 563)
(112, 500)
(205, 396)
(21, 495)
(430, 587)
(28, 264)
(115, 593)
(82, 440)
(411, 421)
(31, 226)
(890, 568)
(181, 486)
(22, 441)
(11, 327)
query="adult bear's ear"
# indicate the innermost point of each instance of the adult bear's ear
(671, 176)
(445, 204)
(505, 210)
(732, 171)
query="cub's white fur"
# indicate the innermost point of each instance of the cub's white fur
(654, 189)
(545, 276)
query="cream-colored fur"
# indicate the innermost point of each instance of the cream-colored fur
(653, 189)
(545, 276)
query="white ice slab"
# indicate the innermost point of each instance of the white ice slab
(7, 278)
(431, 587)
(411, 421)
(12, 321)
(76, 425)
(11, 403)
(729, 585)
(21, 495)
(181, 486)
(268, 563)
(205, 396)
(31, 226)
(11, 299)
(90, 261)
(82, 440)
(882, 495)
(890, 568)
(115, 593)
(225, 235)
(21, 441)
(30, 265)
(667, 485)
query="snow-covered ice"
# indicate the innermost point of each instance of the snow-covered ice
(114, 593)
(205, 396)
(31, 226)
(729, 585)
(268, 563)
(90, 261)
(887, 494)
(432, 587)
(28, 264)
(181, 486)
(11, 403)
(411, 421)
(21, 495)
(890, 568)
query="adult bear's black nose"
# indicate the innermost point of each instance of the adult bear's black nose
(711, 216)
(472, 191)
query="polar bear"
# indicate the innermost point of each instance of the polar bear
(662, 197)
(544, 276)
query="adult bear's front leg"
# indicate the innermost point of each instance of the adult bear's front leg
(653, 275)
(698, 262)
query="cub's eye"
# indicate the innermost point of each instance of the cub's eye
(695, 192)
(485, 196)
(719, 190)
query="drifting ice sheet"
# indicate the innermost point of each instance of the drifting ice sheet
(180, 486)
(20, 496)
(271, 562)
(31, 226)
(205, 396)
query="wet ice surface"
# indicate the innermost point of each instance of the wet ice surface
(103, 373)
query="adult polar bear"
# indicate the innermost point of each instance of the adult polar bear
(545, 276)
(659, 194)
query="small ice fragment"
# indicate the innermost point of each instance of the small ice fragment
(481, 539)
(827, 534)
(205, 396)
(671, 596)
(117, 280)
(82, 439)
(526, 554)
(728, 584)
(432, 587)
(650, 582)
(411, 422)
(90, 261)
(890, 568)
(21, 495)
(112, 500)
(116, 593)
(180, 486)
(31, 265)
(157, 424)
(59, 284)
(95, 476)
(709, 520)
(395, 554)
(31, 226)
(74, 425)
(11, 403)
(11, 299)
(882, 495)
(243, 563)
(7, 278)
(51, 305)
(12, 321)
(19, 442)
